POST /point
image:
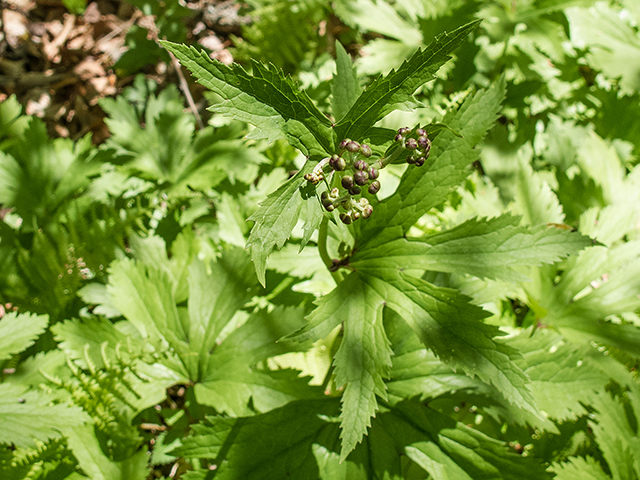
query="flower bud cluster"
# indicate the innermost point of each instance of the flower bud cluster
(419, 147)
(358, 171)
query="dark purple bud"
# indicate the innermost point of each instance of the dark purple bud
(367, 211)
(346, 219)
(421, 132)
(333, 160)
(374, 187)
(411, 159)
(360, 177)
(347, 181)
(411, 144)
(420, 161)
(373, 173)
(355, 190)
(424, 142)
(360, 165)
(365, 150)
(353, 146)
(398, 137)
(344, 143)
(341, 164)
(324, 196)
(330, 207)
(403, 131)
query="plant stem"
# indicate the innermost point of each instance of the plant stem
(322, 249)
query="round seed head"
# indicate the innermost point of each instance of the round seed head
(373, 173)
(347, 181)
(360, 177)
(346, 219)
(374, 187)
(411, 144)
(344, 143)
(355, 190)
(367, 211)
(360, 165)
(353, 146)
(365, 150)
(424, 142)
(421, 132)
(420, 161)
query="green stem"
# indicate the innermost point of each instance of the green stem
(322, 249)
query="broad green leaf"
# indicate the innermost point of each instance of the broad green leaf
(277, 216)
(579, 468)
(266, 99)
(423, 188)
(308, 431)
(616, 430)
(487, 248)
(396, 89)
(614, 45)
(364, 356)
(230, 380)
(535, 200)
(450, 326)
(30, 416)
(217, 290)
(86, 447)
(18, 331)
(345, 88)
(597, 284)
(563, 376)
(380, 17)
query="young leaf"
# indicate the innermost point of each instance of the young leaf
(395, 90)
(345, 88)
(277, 216)
(266, 99)
(18, 331)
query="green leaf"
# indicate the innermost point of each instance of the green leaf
(578, 468)
(616, 430)
(277, 216)
(614, 45)
(18, 331)
(395, 90)
(535, 200)
(487, 248)
(30, 416)
(266, 99)
(84, 444)
(423, 188)
(230, 380)
(345, 88)
(599, 283)
(308, 431)
(450, 326)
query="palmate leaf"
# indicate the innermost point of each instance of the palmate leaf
(266, 99)
(197, 343)
(307, 431)
(396, 89)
